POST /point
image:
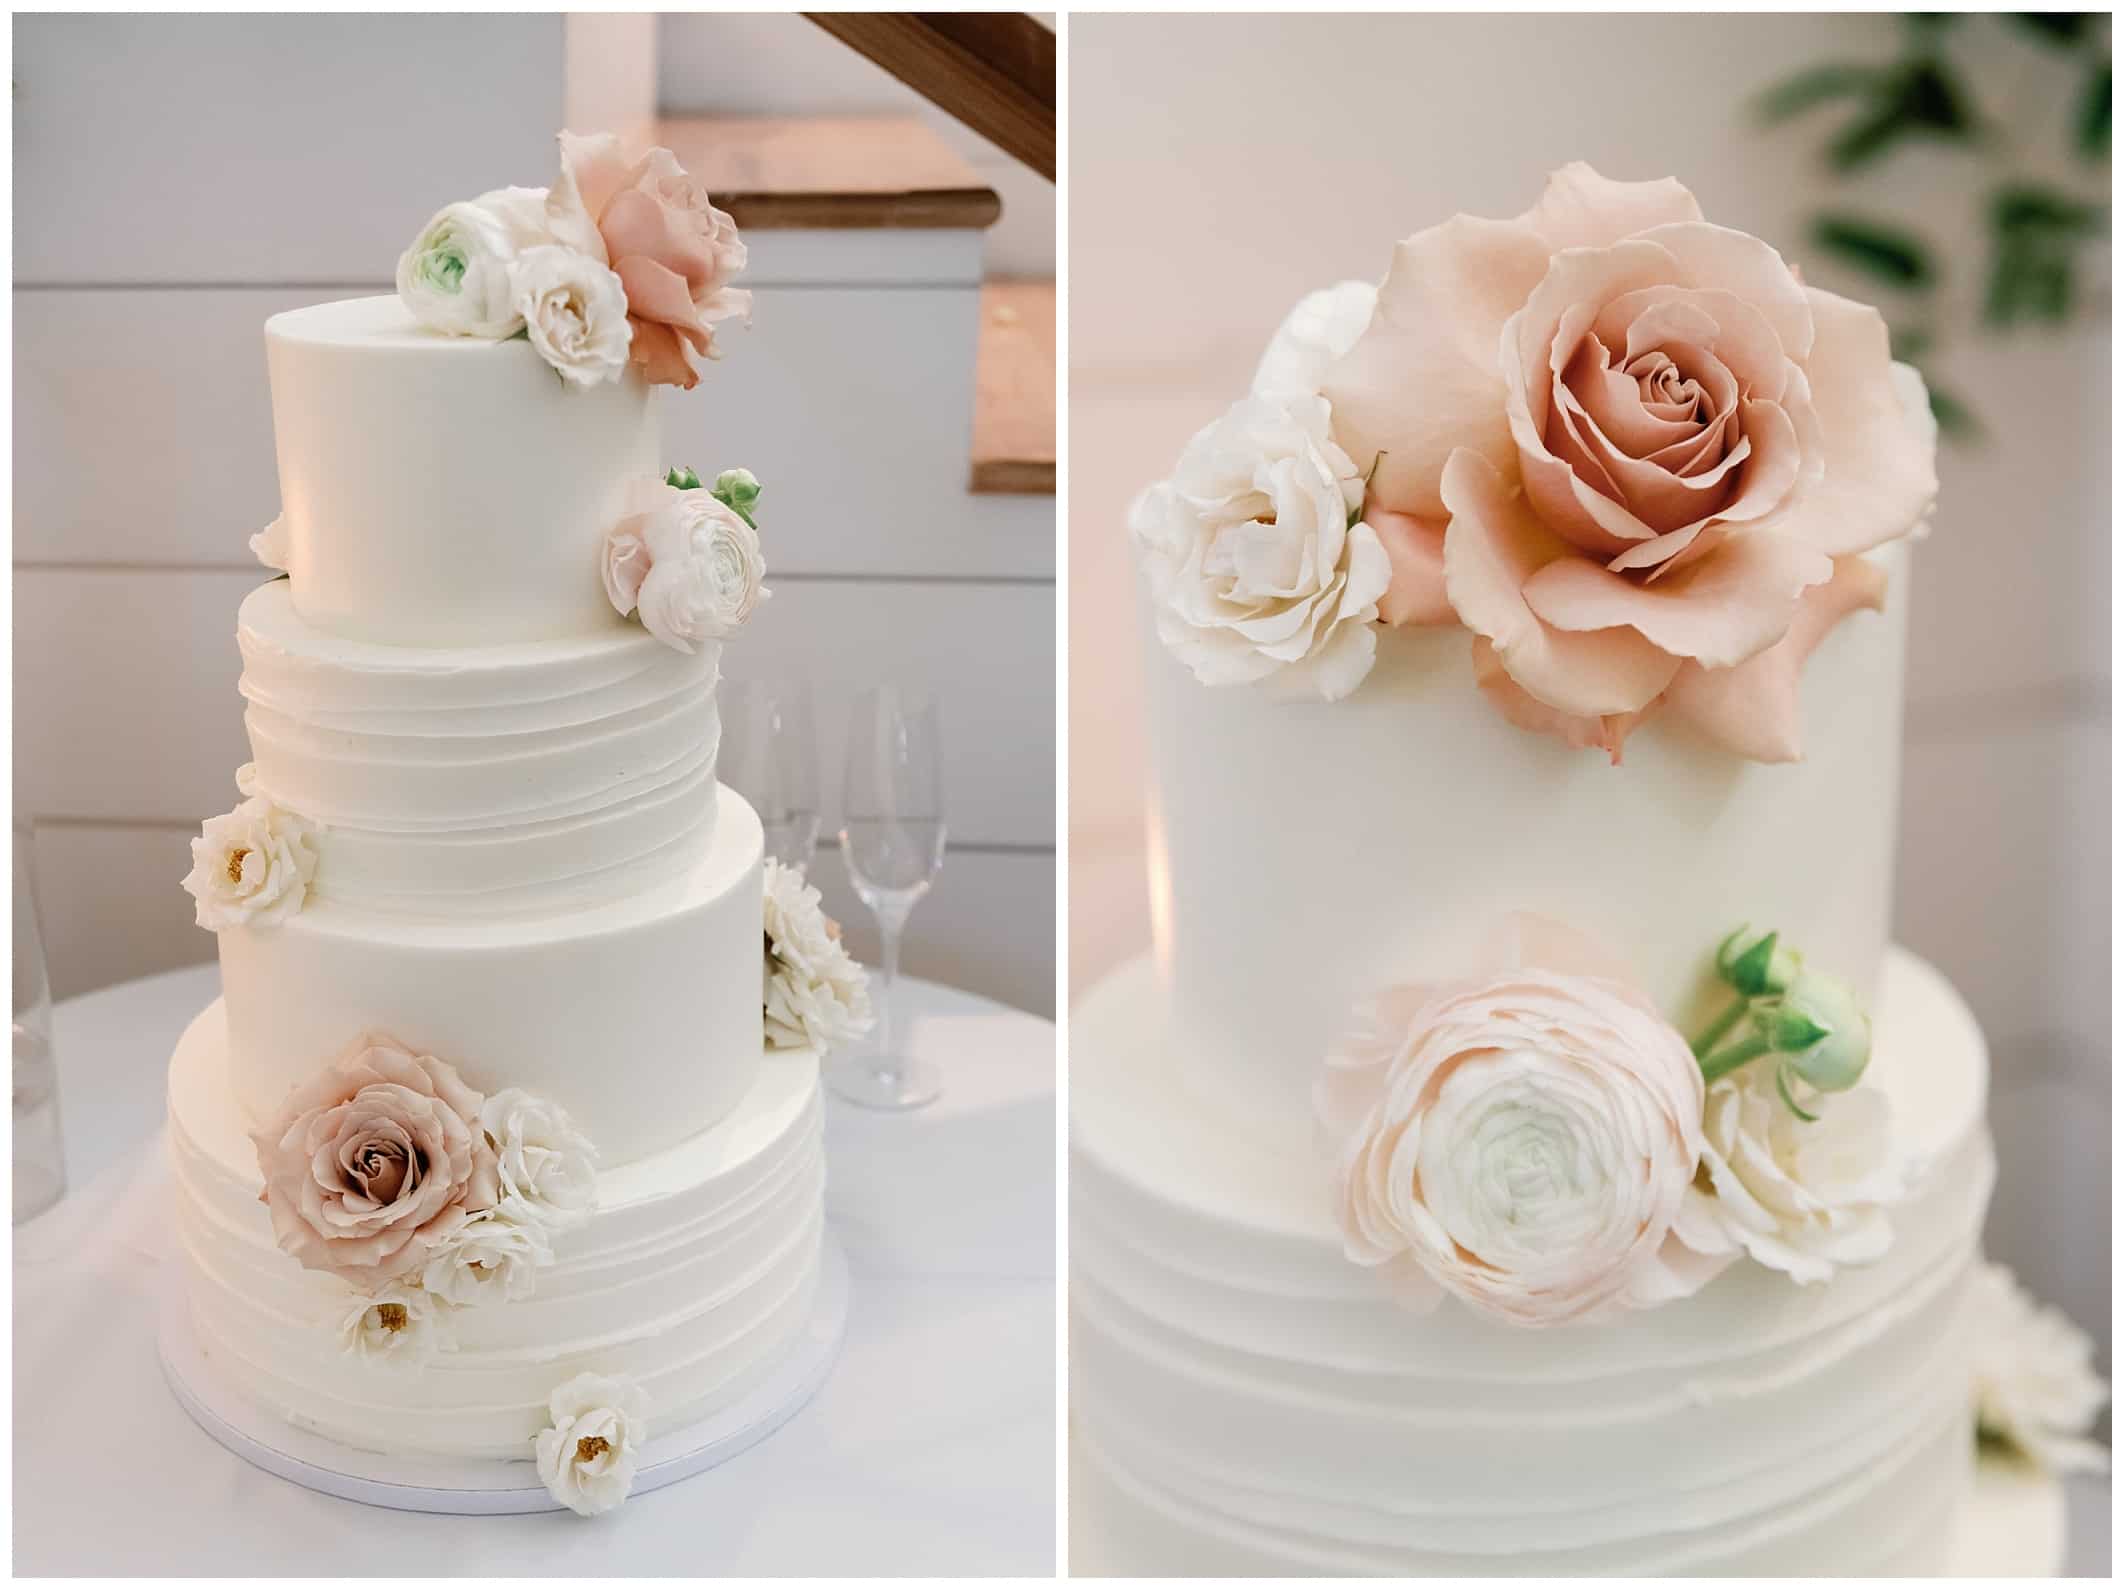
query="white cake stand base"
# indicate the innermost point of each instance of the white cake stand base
(490, 1485)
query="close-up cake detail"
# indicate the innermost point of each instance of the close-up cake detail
(1458, 1186)
(484, 1153)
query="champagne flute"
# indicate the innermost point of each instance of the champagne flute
(770, 756)
(892, 837)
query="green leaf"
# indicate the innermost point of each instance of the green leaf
(1866, 139)
(1815, 86)
(1889, 253)
(1909, 343)
(2030, 207)
(1958, 421)
(2091, 122)
(1934, 100)
(1930, 22)
(2063, 29)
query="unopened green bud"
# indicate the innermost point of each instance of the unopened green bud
(739, 491)
(1755, 964)
(1835, 1057)
(683, 480)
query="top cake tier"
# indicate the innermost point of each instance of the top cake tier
(444, 491)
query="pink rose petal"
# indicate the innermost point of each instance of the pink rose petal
(1580, 208)
(1522, 711)
(1415, 549)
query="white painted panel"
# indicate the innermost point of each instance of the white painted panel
(912, 257)
(2051, 1213)
(110, 907)
(143, 429)
(126, 707)
(143, 432)
(2002, 878)
(262, 148)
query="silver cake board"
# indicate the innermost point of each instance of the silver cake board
(489, 1486)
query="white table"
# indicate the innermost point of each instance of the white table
(930, 1450)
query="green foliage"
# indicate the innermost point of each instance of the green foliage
(2091, 125)
(1890, 254)
(2035, 232)
(2064, 29)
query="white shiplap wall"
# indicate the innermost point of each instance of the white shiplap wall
(244, 165)
(1178, 275)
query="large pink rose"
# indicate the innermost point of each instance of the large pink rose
(1629, 451)
(673, 251)
(1523, 1139)
(375, 1162)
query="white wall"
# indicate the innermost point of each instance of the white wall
(179, 179)
(1220, 167)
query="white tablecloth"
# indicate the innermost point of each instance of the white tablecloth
(930, 1450)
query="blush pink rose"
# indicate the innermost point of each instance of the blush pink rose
(1523, 1139)
(372, 1164)
(1629, 450)
(675, 253)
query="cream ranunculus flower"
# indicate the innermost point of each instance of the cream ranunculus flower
(252, 866)
(588, 1456)
(686, 562)
(575, 312)
(546, 1166)
(1522, 1140)
(494, 1257)
(399, 1325)
(1796, 1195)
(375, 1163)
(2036, 1390)
(458, 275)
(816, 993)
(1254, 566)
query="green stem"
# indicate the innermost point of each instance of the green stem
(1752, 1047)
(1719, 1028)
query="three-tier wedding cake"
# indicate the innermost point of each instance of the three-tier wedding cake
(1460, 1186)
(484, 1152)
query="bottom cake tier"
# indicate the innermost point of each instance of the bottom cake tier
(692, 1279)
(1245, 1400)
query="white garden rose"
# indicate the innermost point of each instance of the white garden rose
(1522, 1139)
(458, 276)
(816, 993)
(588, 1456)
(1797, 1195)
(1324, 327)
(493, 1257)
(2036, 1389)
(575, 311)
(1255, 568)
(252, 866)
(546, 1166)
(399, 1325)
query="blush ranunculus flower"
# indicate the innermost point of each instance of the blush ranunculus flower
(375, 1163)
(1633, 454)
(674, 252)
(1522, 1140)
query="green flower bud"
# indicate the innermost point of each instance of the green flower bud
(737, 489)
(683, 480)
(1820, 1031)
(1755, 964)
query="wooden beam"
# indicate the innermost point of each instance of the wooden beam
(844, 173)
(994, 71)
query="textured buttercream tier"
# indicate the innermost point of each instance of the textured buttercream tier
(692, 1278)
(641, 1018)
(532, 777)
(1309, 854)
(1248, 1400)
(445, 491)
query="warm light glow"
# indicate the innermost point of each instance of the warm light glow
(1161, 889)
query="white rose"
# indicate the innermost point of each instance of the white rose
(1799, 1196)
(589, 1455)
(457, 276)
(576, 313)
(546, 1166)
(706, 572)
(1253, 564)
(253, 865)
(270, 545)
(816, 993)
(1522, 1139)
(401, 1324)
(493, 1257)
(1324, 327)
(2035, 1386)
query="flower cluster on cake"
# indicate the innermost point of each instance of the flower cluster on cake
(1630, 452)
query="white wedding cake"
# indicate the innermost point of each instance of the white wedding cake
(483, 1153)
(1459, 1187)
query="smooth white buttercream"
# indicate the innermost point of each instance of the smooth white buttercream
(641, 1017)
(445, 491)
(693, 1275)
(1250, 1401)
(482, 781)
(1315, 852)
